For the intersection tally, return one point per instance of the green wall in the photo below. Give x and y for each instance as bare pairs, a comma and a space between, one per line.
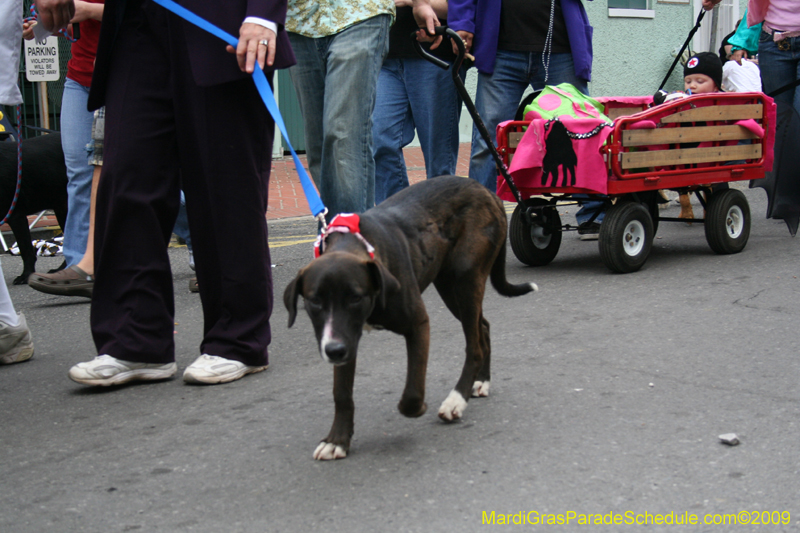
631, 55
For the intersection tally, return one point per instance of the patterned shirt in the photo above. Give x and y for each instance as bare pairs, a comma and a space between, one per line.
322, 18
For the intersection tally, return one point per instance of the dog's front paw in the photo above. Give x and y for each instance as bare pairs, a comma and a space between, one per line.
412, 408
328, 451
21, 280
480, 389
453, 407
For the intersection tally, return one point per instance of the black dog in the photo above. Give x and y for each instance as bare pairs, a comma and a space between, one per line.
44, 186
559, 153
448, 231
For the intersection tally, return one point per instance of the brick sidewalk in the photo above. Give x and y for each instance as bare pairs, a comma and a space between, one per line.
286, 197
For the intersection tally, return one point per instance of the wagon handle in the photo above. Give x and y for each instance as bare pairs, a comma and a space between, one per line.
462, 91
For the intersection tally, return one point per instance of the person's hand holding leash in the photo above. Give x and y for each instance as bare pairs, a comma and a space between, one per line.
256, 43
708, 5
54, 15
427, 20
738, 55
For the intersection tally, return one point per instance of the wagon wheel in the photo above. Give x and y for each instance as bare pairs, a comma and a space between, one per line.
626, 236
728, 222
537, 242
650, 200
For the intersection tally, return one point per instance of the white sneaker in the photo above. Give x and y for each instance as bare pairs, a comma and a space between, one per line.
191, 259
15, 342
105, 370
211, 369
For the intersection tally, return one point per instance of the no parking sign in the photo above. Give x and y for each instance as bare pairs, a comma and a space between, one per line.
41, 59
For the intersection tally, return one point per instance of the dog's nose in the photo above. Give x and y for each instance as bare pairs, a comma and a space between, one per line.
335, 351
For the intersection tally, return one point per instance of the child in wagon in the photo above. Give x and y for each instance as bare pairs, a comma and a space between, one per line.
701, 74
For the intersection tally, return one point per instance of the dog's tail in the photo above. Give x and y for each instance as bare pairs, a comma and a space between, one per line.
499, 281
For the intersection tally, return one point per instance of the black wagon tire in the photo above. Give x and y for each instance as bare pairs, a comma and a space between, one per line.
626, 237
536, 243
727, 221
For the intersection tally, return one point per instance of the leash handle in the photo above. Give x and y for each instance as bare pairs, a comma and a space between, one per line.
262, 85
462, 91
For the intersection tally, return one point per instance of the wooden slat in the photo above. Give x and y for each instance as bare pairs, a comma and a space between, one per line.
689, 156
716, 112
616, 112
514, 137
686, 135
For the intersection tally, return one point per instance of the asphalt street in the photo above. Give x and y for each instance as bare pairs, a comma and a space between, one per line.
609, 393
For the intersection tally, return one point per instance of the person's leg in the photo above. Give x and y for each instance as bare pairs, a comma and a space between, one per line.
181, 228
496, 100
780, 67
436, 108
226, 202
354, 59
392, 129
308, 78
7, 313
15, 337
76, 134
137, 202
78, 278
86, 264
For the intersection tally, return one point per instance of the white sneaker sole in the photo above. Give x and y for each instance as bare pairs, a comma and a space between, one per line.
190, 377
138, 374
17, 355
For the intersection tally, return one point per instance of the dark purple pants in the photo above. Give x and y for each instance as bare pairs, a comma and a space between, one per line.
163, 134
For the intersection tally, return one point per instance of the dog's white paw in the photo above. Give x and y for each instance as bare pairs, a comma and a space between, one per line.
535, 287
452, 407
327, 451
480, 389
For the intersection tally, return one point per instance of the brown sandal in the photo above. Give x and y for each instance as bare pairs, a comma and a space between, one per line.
71, 281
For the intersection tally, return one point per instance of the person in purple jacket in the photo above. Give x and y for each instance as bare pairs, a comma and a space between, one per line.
516, 44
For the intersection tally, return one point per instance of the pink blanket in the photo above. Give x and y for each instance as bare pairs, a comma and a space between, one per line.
559, 153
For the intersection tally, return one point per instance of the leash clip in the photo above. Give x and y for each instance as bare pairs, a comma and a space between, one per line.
321, 219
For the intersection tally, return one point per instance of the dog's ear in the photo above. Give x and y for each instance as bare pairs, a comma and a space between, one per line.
290, 295
384, 280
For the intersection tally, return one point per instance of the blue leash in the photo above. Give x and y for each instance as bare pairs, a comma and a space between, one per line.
314, 202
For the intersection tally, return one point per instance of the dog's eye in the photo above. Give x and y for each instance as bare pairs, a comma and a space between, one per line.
355, 299
315, 302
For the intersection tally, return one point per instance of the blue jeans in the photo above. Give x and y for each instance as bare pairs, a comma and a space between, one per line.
76, 141
414, 94
498, 96
181, 228
336, 79
780, 67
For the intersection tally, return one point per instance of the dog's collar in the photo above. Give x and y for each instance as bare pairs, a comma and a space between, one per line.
343, 223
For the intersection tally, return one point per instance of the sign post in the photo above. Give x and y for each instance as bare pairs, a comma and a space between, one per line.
41, 65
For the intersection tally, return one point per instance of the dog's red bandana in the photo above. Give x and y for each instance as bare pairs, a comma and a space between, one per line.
343, 223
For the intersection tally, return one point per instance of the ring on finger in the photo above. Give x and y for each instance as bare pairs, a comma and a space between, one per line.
264, 42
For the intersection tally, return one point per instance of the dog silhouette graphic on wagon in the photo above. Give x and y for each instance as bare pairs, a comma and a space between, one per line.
559, 154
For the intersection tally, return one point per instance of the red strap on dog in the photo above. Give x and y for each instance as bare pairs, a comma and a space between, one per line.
343, 223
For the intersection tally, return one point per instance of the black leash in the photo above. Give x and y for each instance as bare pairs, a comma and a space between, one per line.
683, 48
785, 88
462, 91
